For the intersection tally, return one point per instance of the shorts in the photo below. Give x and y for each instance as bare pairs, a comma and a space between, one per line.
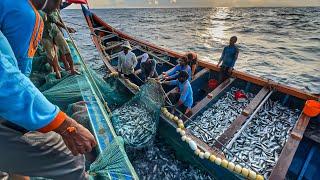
58, 41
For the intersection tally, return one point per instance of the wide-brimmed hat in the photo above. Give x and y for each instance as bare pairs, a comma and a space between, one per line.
144, 57
126, 44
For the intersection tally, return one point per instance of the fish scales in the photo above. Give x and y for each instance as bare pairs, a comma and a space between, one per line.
217, 118
134, 123
261, 142
159, 162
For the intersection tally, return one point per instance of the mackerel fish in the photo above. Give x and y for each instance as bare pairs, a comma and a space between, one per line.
209, 125
159, 162
135, 123
259, 146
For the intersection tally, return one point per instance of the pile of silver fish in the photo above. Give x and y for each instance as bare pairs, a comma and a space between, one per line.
261, 142
135, 123
159, 162
216, 119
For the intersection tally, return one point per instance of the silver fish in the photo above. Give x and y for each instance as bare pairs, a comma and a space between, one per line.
260, 144
210, 124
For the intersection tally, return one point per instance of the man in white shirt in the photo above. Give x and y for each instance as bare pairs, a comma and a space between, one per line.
127, 61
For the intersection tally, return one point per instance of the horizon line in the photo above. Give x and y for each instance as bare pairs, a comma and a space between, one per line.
187, 7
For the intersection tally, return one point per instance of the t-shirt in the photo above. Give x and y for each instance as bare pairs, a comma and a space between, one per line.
228, 56
148, 67
186, 93
173, 73
127, 62
21, 102
21, 24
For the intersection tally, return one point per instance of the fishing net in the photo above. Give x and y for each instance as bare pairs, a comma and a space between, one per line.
67, 90
79, 112
111, 163
137, 120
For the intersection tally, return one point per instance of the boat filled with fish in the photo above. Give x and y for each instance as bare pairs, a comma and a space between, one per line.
256, 137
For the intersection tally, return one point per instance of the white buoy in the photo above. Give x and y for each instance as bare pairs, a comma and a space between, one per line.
178, 130
193, 145
184, 138
182, 132
207, 155
201, 155
188, 139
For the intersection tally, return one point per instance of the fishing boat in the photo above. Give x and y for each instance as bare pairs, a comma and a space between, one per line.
190, 139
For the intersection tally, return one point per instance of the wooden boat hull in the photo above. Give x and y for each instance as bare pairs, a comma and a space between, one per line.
262, 88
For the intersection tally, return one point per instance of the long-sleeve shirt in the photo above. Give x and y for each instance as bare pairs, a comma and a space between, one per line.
21, 102
127, 62
186, 93
229, 56
22, 25
173, 73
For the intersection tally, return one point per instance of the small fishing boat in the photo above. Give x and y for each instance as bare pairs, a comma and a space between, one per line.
253, 139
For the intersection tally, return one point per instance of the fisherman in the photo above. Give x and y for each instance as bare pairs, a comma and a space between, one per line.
127, 61
52, 38
36, 138
183, 98
192, 62
228, 58
174, 73
148, 67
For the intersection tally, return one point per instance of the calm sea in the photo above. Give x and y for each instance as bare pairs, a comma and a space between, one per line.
282, 44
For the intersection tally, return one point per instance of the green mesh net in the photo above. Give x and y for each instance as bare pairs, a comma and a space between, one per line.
137, 120
111, 163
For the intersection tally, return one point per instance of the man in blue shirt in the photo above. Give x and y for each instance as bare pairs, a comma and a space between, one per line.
228, 58
183, 98
22, 25
174, 73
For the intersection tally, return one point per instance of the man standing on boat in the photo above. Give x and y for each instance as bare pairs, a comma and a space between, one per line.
183, 98
228, 58
182, 66
36, 138
127, 61
53, 41
148, 67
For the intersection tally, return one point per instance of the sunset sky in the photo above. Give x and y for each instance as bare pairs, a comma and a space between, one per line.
200, 3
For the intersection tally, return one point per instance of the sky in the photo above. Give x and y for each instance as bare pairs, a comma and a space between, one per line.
200, 3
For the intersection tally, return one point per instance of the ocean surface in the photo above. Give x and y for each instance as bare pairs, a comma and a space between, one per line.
282, 44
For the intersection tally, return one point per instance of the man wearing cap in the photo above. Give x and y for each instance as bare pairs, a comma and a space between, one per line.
36, 137
127, 61
148, 67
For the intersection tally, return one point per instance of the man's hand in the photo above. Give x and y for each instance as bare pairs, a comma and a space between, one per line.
77, 138
71, 30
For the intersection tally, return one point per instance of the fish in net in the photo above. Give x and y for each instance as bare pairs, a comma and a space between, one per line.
111, 162
137, 120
